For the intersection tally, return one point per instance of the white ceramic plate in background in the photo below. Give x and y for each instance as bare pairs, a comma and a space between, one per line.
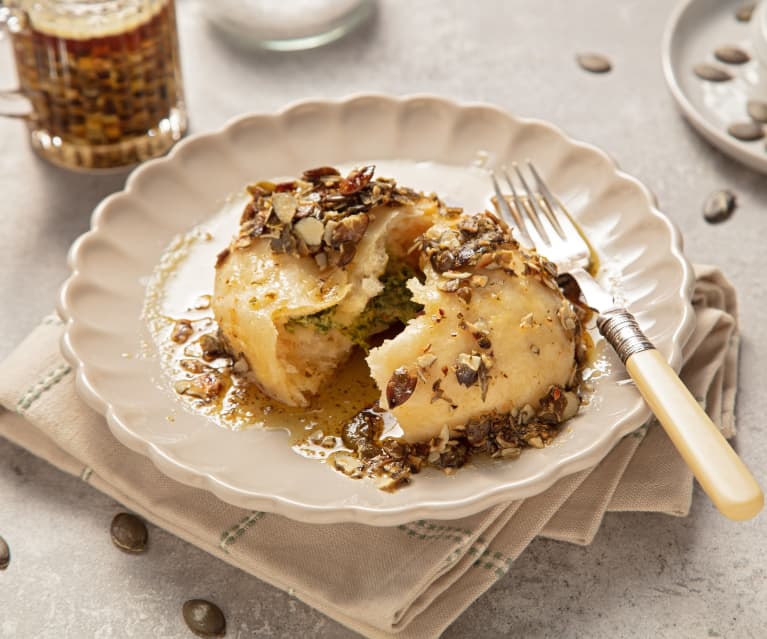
102, 300
696, 28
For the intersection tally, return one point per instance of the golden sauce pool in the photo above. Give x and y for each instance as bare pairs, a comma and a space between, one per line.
314, 431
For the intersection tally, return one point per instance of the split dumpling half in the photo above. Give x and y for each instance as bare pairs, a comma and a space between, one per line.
292, 291
495, 335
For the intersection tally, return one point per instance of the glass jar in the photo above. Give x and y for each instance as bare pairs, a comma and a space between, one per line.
102, 78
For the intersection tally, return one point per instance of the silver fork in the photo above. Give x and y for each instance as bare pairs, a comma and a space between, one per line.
544, 224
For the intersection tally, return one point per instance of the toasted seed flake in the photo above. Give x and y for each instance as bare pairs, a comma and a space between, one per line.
350, 229
212, 347
284, 187
221, 257
182, 330
242, 242
264, 186
425, 361
206, 386
449, 286
456, 275
241, 365
467, 369
487, 360
348, 465
567, 317
328, 441
527, 321
526, 414
320, 172
386, 482
464, 294
356, 180
181, 386
193, 366
202, 302
572, 403
310, 230
285, 206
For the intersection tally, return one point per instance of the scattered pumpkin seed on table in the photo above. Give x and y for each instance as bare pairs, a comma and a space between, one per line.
594, 62
129, 533
745, 11
711, 72
5, 554
731, 55
719, 206
204, 618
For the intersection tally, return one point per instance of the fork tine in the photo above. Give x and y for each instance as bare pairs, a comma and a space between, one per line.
549, 201
530, 206
558, 239
511, 213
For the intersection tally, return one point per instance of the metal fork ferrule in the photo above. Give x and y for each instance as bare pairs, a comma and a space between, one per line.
622, 331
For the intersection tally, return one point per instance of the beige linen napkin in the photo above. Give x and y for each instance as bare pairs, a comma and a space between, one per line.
409, 581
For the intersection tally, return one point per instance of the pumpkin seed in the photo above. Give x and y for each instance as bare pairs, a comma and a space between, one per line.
204, 618
711, 73
400, 387
757, 110
719, 206
594, 62
467, 369
746, 131
129, 533
5, 554
731, 55
745, 11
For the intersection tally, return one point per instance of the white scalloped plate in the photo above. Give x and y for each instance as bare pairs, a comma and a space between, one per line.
102, 300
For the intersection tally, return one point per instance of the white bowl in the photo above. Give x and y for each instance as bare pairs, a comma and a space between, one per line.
694, 30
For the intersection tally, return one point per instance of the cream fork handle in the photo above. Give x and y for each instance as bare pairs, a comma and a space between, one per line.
721, 473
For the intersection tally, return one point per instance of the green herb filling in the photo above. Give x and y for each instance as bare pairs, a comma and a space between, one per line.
394, 304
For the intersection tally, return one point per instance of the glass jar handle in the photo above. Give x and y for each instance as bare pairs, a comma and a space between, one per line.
13, 102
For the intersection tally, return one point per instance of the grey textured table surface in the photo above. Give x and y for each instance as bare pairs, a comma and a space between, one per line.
645, 575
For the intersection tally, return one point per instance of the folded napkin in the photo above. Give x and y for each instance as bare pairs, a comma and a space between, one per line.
409, 581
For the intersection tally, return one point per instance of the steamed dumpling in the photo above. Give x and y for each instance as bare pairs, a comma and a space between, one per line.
308, 259
495, 333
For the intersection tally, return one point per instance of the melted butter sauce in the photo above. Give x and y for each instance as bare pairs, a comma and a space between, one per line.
243, 405
182, 283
